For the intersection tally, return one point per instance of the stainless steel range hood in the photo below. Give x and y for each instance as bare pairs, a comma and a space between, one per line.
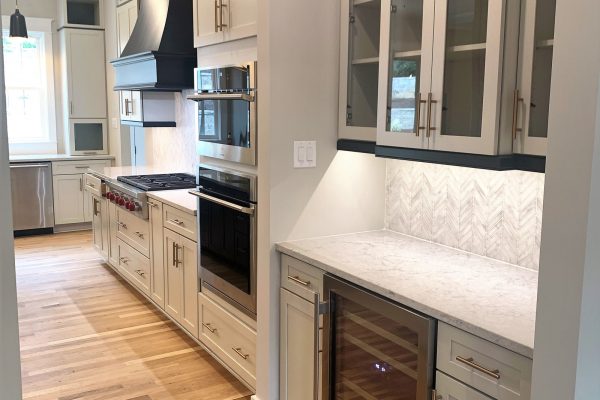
160, 54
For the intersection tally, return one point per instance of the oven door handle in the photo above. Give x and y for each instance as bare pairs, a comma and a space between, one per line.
224, 203
221, 96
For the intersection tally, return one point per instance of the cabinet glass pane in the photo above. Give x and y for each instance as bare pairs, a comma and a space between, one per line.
375, 356
542, 68
363, 63
88, 136
464, 67
405, 64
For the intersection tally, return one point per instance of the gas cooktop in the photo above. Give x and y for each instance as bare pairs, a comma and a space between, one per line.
155, 182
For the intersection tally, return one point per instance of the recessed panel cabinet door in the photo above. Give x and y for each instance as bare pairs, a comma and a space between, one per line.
466, 76
68, 199
407, 35
188, 263
86, 71
448, 388
207, 16
240, 17
157, 259
173, 276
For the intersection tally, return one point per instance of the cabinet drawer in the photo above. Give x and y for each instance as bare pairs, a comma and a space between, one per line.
180, 222
487, 367
78, 167
230, 339
301, 278
93, 185
134, 231
451, 389
135, 266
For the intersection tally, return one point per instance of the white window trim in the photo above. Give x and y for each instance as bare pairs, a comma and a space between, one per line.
50, 147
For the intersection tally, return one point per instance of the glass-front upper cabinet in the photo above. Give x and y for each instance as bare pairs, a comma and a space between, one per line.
407, 37
359, 69
532, 98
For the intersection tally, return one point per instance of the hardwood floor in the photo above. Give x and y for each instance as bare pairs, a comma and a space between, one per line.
86, 334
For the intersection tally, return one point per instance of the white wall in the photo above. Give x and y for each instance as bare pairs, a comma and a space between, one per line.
10, 365
298, 50
567, 352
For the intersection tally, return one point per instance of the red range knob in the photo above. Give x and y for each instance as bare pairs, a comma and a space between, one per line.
110, 196
127, 205
121, 201
131, 206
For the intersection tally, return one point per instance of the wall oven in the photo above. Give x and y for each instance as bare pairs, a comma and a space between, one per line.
227, 235
226, 112
374, 348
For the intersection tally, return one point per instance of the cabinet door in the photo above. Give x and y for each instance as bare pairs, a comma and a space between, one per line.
359, 69
96, 223
188, 263
87, 206
448, 388
466, 76
532, 101
173, 276
126, 18
113, 251
68, 199
240, 17
298, 323
103, 209
85, 59
206, 23
157, 259
405, 72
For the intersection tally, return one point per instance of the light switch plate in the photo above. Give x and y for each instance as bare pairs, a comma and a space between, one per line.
305, 154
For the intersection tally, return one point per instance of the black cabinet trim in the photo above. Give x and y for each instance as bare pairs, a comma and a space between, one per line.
506, 162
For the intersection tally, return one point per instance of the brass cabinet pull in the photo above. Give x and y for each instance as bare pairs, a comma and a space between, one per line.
430, 101
238, 350
126, 106
418, 102
517, 100
298, 280
81, 184
140, 272
209, 327
124, 260
122, 225
216, 17
471, 363
221, 24
152, 204
174, 254
176, 222
96, 211
139, 234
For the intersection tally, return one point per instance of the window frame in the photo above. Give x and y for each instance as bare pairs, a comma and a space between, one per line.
43, 25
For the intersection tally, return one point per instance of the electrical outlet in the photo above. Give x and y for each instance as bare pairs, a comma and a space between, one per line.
305, 154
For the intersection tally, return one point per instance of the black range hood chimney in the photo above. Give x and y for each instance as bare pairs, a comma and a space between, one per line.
160, 54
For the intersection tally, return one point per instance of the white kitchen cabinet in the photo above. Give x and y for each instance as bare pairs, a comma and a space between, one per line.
181, 296
127, 14
81, 14
359, 69
532, 97
83, 73
157, 259
147, 109
86, 137
69, 198
447, 388
441, 71
113, 253
100, 225
299, 369
223, 21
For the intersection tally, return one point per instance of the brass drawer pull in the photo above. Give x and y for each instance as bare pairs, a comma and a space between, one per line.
152, 204
517, 101
298, 280
124, 260
471, 363
176, 222
140, 235
238, 350
430, 101
122, 225
140, 272
209, 327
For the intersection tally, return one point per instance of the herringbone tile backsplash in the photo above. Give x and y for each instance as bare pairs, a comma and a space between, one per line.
494, 214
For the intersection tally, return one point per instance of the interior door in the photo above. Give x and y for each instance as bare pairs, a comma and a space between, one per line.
466, 76
173, 276
405, 71
188, 259
86, 59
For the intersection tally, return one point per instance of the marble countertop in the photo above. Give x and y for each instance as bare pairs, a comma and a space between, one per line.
56, 157
180, 199
490, 299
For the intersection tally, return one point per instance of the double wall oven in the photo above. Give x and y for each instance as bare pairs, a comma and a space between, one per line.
226, 112
227, 210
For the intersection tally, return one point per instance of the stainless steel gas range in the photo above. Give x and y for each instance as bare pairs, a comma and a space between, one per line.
129, 192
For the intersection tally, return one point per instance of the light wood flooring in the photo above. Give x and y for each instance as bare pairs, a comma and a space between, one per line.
87, 335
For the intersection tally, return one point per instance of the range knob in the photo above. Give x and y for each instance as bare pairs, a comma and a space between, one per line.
121, 201
132, 206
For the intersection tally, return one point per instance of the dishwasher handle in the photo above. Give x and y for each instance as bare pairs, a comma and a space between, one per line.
14, 166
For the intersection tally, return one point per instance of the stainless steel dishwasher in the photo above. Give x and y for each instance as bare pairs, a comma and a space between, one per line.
32, 197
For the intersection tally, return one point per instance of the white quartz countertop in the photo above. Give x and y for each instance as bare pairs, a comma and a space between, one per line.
56, 157
180, 199
490, 299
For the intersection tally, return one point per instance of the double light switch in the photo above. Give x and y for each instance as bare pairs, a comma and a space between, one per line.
305, 154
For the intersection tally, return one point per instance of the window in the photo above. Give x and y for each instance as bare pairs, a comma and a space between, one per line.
29, 77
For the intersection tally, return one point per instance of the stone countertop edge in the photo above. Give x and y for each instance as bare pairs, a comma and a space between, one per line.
180, 199
324, 262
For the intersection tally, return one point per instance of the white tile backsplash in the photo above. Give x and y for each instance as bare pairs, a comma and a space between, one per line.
175, 148
494, 214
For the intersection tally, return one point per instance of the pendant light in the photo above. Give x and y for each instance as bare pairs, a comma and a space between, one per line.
17, 24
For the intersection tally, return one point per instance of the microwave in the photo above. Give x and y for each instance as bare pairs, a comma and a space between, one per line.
226, 120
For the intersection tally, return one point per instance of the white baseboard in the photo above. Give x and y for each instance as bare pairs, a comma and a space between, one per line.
86, 226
